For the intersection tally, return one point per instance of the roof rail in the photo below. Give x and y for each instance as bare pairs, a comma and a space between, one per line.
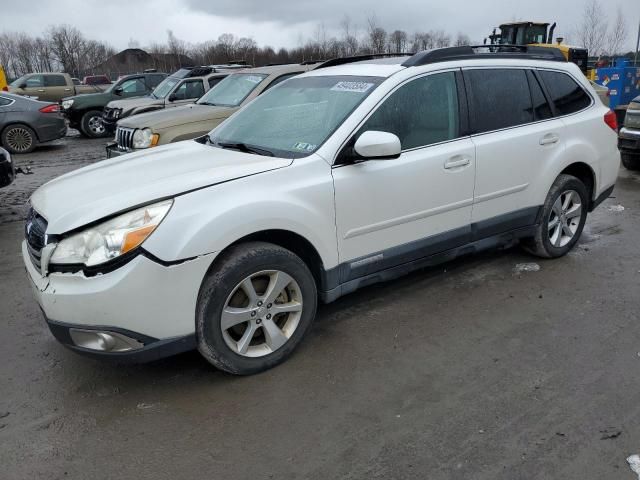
359, 58
478, 52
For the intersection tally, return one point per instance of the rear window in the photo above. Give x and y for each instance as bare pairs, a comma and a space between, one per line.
567, 96
499, 98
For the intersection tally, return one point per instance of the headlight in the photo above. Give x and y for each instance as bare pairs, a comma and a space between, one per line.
144, 138
66, 104
112, 238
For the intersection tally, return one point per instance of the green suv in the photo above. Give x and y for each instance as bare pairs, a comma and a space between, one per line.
84, 112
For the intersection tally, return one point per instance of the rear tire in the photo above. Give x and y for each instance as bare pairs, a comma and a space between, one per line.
91, 125
254, 308
18, 138
564, 214
630, 162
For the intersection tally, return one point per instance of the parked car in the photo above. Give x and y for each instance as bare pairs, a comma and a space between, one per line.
183, 87
96, 80
25, 123
194, 120
50, 87
351, 174
3, 81
84, 112
7, 169
629, 136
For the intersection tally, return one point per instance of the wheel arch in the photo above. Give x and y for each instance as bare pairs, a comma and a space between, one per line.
292, 241
585, 173
14, 123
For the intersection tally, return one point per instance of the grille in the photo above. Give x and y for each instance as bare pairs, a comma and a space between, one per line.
112, 113
124, 138
627, 143
34, 232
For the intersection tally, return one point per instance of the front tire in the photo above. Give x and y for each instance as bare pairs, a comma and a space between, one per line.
630, 162
564, 214
91, 125
254, 307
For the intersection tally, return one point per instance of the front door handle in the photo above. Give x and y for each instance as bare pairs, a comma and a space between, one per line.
41, 90
549, 139
67, 89
457, 161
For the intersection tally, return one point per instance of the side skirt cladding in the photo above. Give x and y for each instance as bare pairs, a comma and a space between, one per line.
396, 262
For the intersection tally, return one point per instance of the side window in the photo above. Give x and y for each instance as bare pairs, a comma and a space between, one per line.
189, 89
499, 98
566, 95
421, 112
213, 81
541, 108
281, 79
35, 81
55, 81
133, 85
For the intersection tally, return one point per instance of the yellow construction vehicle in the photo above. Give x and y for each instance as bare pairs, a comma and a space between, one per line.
541, 35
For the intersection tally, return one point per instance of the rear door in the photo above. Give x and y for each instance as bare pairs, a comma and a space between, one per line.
517, 140
55, 88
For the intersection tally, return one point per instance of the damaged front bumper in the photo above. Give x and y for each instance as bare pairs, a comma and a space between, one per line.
142, 311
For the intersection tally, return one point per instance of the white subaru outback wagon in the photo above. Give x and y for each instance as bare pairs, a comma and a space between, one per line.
354, 173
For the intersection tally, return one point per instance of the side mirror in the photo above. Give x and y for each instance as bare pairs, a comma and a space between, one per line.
118, 91
375, 144
23, 85
173, 97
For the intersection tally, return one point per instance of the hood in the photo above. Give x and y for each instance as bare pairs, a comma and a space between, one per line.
129, 103
88, 97
171, 117
120, 184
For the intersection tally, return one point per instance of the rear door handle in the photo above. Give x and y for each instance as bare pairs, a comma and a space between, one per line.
41, 90
457, 161
549, 139
67, 89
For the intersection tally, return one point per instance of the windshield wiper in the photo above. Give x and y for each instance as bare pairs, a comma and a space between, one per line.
209, 103
243, 147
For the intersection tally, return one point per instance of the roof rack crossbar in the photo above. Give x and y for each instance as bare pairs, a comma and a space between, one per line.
359, 58
471, 52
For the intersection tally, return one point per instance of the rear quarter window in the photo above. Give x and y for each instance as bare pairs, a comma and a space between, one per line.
566, 94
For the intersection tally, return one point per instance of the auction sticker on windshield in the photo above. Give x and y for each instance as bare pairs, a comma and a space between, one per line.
305, 147
356, 87
254, 79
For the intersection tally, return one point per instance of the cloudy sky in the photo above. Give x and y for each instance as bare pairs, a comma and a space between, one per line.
290, 22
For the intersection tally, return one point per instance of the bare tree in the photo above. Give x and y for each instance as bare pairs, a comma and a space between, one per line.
617, 34
349, 39
398, 41
377, 35
592, 31
462, 39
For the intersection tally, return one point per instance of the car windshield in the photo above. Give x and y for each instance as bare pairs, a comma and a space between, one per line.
19, 81
232, 91
293, 119
165, 87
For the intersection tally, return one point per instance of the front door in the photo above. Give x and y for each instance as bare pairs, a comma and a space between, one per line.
390, 212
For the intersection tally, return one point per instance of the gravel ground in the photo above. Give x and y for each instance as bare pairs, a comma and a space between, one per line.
497, 366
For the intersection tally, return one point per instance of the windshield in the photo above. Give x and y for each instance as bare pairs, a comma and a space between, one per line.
163, 89
232, 91
19, 81
293, 119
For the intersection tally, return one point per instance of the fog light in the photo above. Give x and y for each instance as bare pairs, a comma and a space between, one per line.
103, 341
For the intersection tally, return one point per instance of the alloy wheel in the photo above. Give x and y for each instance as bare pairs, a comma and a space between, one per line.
261, 313
564, 218
95, 125
19, 139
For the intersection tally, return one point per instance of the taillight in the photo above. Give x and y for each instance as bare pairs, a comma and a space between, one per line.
53, 108
611, 120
